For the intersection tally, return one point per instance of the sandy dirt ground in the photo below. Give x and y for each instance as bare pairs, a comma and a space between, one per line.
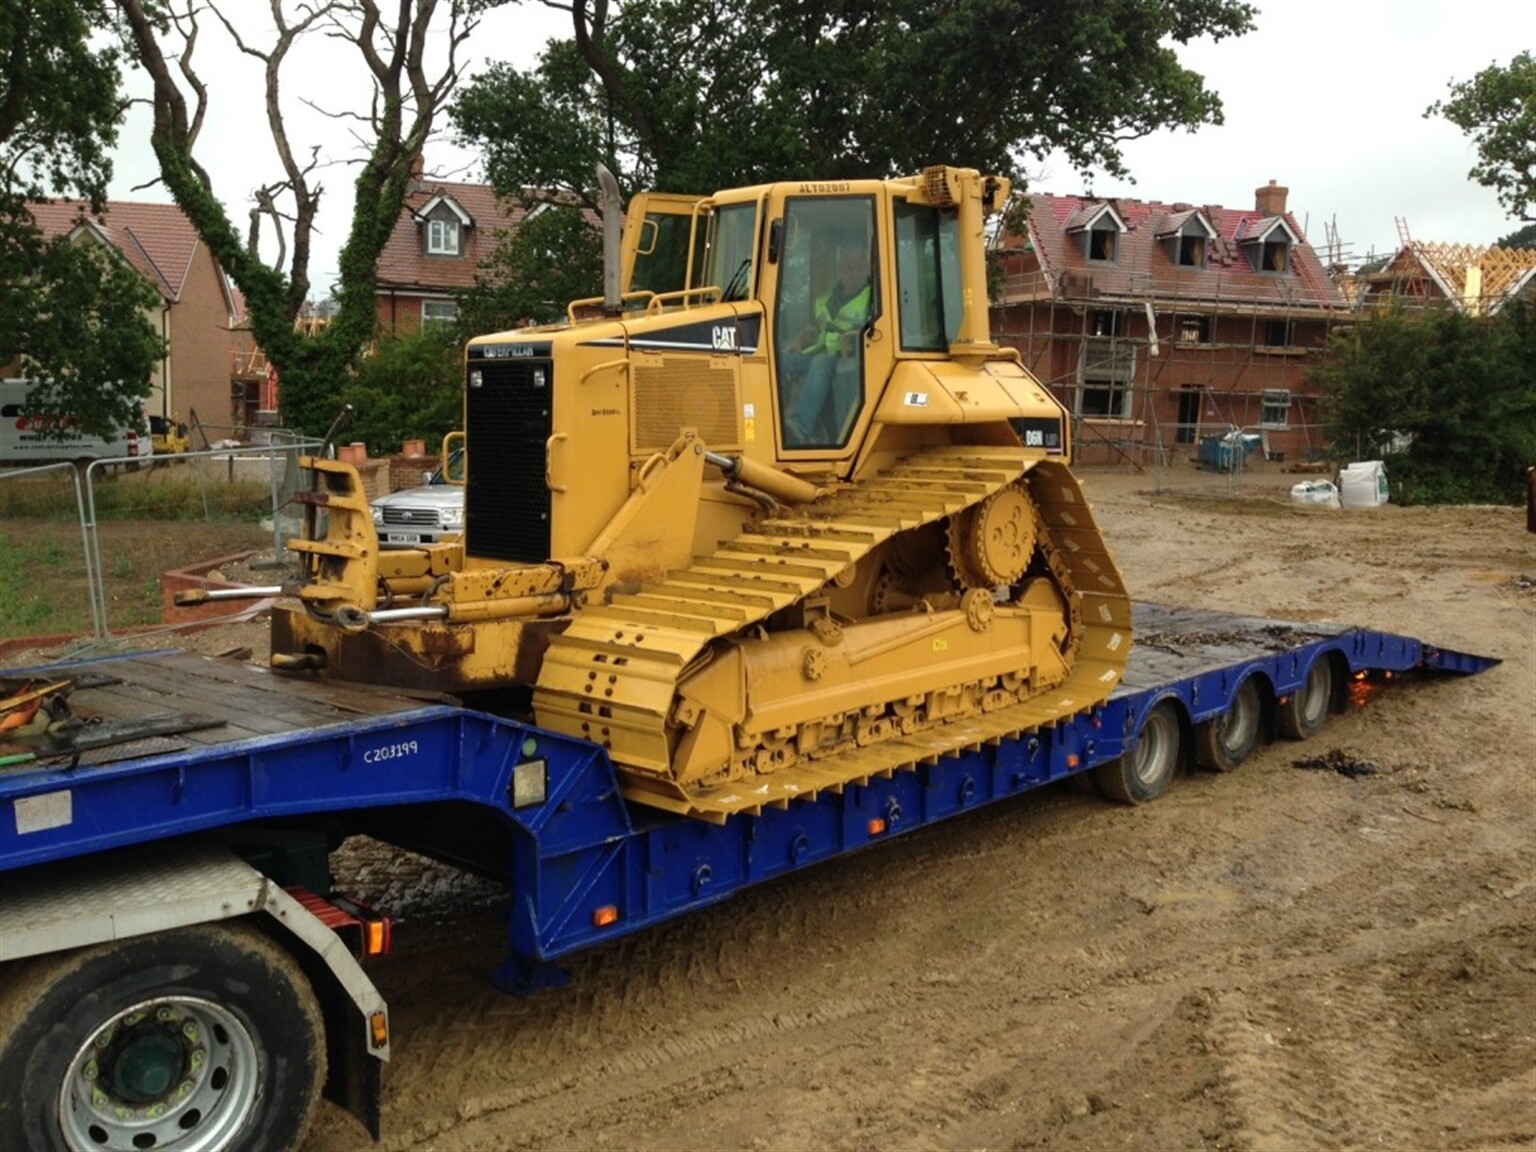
1269, 959
1274, 958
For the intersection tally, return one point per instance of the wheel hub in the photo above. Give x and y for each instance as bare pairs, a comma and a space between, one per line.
175, 1073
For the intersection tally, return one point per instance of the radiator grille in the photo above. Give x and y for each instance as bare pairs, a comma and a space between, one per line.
680, 392
415, 517
506, 501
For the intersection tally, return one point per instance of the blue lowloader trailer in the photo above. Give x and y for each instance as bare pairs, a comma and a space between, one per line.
175, 971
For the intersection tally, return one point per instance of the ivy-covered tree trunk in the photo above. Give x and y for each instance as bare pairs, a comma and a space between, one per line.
313, 368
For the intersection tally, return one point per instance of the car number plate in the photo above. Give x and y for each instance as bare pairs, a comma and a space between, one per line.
402, 538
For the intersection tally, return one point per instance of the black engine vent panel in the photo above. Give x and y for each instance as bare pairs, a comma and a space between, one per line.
506, 501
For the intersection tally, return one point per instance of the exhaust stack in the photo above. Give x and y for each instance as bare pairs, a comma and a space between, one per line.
608, 198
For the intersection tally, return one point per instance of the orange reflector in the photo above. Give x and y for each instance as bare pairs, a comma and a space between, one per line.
877, 826
1073, 760
378, 1029
376, 937
604, 916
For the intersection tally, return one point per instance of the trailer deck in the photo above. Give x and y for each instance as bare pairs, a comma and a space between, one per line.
586, 864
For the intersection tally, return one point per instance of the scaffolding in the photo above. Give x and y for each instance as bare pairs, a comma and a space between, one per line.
1204, 362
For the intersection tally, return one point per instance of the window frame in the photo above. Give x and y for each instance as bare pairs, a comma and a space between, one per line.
439, 231
1286, 331
1122, 390
1267, 400
1101, 238
1202, 324
427, 303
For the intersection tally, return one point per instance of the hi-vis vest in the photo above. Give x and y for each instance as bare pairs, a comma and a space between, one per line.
850, 318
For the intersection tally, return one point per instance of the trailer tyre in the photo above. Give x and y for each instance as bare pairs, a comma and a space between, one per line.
1304, 712
1145, 772
1225, 742
206, 1037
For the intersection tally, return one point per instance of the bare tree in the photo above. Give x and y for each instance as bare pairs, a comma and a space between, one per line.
412, 79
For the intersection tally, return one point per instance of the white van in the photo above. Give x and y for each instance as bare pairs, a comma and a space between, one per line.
22, 438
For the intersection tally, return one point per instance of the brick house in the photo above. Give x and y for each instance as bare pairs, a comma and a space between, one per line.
199, 312
436, 246
1157, 324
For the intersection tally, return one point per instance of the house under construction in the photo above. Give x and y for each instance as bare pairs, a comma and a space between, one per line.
1478, 280
1162, 324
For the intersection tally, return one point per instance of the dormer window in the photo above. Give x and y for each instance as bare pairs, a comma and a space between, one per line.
1101, 243
1187, 236
443, 237
1268, 245
443, 224
1099, 227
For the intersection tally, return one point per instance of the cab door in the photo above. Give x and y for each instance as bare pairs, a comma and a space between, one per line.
829, 359
660, 244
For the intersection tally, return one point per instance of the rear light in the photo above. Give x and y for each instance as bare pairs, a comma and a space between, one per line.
365, 931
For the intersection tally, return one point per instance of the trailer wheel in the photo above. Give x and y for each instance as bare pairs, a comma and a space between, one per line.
206, 1037
1225, 742
1304, 712
1145, 772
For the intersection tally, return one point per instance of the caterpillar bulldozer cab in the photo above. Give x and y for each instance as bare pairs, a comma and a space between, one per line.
771, 515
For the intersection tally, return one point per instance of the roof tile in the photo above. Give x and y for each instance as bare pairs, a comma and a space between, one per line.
1143, 266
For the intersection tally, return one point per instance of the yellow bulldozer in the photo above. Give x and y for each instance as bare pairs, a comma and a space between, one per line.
770, 516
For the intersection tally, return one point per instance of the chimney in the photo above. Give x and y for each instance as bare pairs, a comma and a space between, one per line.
1270, 200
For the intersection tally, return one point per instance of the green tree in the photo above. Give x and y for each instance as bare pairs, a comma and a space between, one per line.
410, 386
553, 257
1524, 237
695, 95
72, 316
1497, 108
408, 52
1463, 387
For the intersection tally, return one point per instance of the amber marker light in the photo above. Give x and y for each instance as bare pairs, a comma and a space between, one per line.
378, 1029
877, 826
376, 937
1073, 760
604, 916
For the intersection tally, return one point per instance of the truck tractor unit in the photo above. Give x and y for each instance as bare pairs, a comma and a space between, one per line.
750, 547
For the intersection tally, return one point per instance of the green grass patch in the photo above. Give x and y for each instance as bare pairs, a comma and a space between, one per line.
171, 494
31, 608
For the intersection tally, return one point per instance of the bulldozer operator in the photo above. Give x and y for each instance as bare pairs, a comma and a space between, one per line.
823, 360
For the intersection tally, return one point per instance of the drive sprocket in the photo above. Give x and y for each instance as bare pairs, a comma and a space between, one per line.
991, 543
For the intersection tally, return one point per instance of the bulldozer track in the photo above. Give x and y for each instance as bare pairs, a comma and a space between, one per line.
612, 676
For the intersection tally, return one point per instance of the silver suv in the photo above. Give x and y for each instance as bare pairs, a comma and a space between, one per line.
431, 514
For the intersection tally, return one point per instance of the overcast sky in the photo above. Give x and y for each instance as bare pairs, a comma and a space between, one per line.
1325, 96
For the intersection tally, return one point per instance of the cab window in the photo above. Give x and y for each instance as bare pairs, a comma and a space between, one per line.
661, 263
730, 264
927, 276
